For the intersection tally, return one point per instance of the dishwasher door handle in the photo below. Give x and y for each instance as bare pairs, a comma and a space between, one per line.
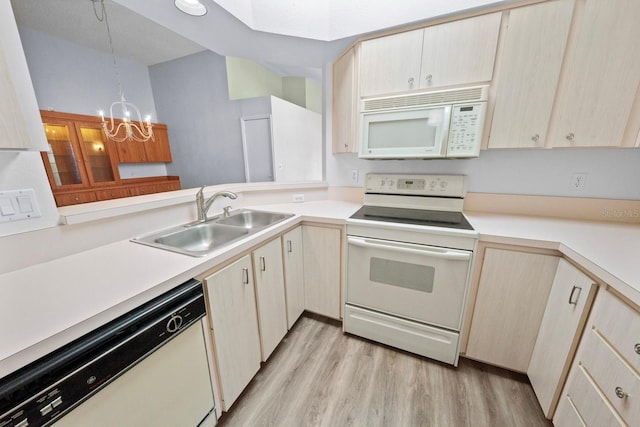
410, 249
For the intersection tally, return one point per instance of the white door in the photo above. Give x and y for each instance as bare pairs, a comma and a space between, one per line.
258, 148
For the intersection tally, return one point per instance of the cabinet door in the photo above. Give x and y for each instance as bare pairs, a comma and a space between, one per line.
99, 154
293, 274
528, 73
272, 311
602, 75
511, 300
322, 274
158, 150
63, 161
460, 52
232, 310
569, 301
130, 151
390, 64
13, 133
344, 104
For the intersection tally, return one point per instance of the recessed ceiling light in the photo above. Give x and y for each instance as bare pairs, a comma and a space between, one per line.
191, 7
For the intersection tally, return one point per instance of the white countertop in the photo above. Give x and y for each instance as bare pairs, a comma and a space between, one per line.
50, 304
55, 302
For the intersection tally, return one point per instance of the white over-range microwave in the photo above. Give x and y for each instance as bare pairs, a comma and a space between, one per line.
440, 124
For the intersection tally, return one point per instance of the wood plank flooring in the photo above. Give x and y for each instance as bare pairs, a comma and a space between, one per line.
319, 376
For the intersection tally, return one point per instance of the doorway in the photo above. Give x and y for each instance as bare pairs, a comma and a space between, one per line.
257, 145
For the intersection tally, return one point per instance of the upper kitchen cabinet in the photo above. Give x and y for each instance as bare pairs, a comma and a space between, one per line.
156, 150
453, 53
527, 73
598, 89
19, 118
390, 64
345, 103
79, 156
460, 52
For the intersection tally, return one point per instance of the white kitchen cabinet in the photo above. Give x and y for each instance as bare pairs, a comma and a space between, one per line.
232, 310
270, 295
390, 64
571, 296
527, 73
345, 103
458, 52
322, 269
293, 274
511, 298
604, 382
599, 85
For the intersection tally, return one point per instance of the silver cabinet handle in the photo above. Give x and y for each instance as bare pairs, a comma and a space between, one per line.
573, 293
289, 246
637, 348
429, 78
621, 393
245, 276
570, 136
410, 81
263, 264
535, 138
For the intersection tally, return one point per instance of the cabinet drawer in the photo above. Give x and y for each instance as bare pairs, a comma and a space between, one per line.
619, 324
584, 399
75, 198
113, 193
619, 384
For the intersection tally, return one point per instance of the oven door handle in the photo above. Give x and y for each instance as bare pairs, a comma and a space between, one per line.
399, 247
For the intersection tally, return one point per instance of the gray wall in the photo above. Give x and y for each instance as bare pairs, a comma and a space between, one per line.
71, 78
191, 96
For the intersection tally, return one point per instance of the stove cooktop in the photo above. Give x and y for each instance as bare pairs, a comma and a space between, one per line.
424, 217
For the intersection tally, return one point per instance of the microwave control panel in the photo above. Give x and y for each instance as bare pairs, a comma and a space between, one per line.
465, 130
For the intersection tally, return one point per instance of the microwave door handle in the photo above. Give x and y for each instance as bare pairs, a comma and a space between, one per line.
448, 255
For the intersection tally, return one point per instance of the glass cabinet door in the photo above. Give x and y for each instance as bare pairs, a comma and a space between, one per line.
100, 156
64, 159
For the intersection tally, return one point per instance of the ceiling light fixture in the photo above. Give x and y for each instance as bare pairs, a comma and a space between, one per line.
191, 7
136, 131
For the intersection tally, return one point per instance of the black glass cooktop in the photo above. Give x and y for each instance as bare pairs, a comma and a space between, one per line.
414, 216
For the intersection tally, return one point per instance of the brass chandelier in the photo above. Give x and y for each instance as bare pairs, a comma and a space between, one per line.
131, 126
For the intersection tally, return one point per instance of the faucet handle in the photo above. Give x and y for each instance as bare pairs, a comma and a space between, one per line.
226, 210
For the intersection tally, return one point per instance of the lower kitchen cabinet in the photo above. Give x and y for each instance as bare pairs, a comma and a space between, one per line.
269, 283
322, 269
511, 299
604, 381
293, 274
571, 296
232, 310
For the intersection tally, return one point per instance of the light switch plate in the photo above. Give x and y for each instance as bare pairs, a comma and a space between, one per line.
16, 205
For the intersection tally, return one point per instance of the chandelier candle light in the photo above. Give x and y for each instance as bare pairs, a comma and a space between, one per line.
137, 131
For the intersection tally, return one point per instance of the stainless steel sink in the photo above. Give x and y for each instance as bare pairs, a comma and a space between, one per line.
195, 240
252, 220
199, 239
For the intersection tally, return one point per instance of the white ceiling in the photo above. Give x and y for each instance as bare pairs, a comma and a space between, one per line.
336, 19
291, 37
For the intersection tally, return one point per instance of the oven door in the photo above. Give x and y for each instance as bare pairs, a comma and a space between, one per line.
417, 282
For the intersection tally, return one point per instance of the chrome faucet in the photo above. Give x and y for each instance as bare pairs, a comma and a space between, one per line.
203, 206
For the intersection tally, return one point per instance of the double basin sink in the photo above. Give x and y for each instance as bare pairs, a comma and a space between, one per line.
199, 239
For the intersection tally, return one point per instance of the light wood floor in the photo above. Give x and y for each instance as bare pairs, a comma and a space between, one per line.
319, 376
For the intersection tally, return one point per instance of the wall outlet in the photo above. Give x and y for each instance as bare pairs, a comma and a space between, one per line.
298, 198
355, 176
578, 181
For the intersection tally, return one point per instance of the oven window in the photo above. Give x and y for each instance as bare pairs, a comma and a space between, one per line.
403, 274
